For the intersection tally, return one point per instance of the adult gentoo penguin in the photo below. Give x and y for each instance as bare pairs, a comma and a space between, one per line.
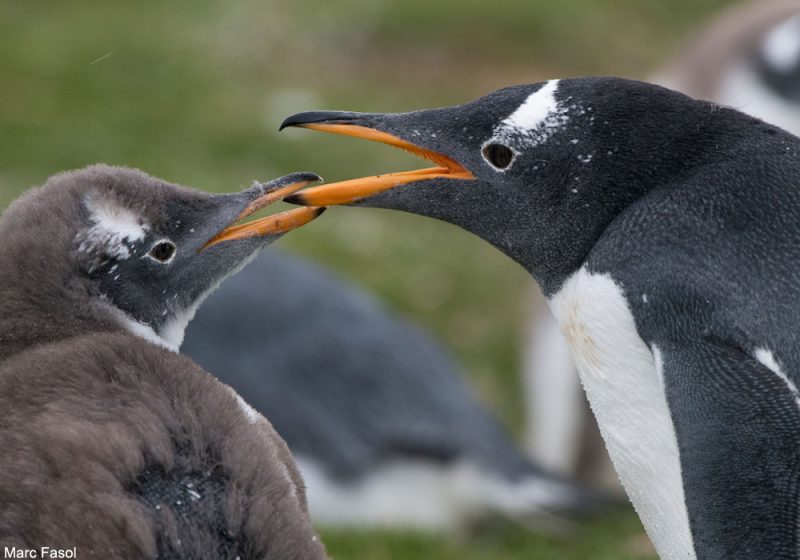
378, 416
663, 231
748, 57
112, 442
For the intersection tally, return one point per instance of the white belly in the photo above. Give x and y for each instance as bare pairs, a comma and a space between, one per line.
622, 379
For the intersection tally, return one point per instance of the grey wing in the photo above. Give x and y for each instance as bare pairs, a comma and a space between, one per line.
738, 428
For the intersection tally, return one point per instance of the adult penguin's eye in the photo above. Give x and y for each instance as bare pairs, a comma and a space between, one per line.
499, 155
163, 251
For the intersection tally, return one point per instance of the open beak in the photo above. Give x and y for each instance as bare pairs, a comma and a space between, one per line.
275, 224
346, 192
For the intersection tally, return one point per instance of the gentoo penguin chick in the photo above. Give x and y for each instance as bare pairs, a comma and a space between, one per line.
664, 233
377, 414
112, 442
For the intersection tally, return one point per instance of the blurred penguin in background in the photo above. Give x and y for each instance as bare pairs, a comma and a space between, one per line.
378, 415
748, 58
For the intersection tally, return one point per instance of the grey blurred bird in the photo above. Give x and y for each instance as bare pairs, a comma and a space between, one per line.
376, 413
111, 441
749, 58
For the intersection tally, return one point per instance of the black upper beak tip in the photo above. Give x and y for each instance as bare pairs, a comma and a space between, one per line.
292, 178
308, 176
294, 120
319, 117
300, 177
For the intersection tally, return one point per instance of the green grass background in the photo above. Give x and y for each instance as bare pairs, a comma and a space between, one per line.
193, 91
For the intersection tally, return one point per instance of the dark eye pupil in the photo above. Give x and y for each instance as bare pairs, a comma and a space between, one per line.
498, 155
162, 251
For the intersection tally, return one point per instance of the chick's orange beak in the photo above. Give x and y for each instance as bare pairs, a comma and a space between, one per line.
275, 224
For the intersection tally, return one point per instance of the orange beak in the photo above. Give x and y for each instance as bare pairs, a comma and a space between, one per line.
345, 192
270, 225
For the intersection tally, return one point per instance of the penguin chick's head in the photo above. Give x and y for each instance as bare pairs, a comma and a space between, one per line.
118, 245
537, 170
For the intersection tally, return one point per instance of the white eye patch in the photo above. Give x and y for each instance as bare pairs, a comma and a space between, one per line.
112, 225
533, 122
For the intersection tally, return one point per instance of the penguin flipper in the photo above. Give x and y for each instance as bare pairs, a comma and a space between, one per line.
737, 421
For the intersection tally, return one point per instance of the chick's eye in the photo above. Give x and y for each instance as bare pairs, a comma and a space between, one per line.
499, 155
163, 251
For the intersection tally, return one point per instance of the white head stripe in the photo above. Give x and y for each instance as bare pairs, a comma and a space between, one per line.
116, 220
535, 110
535, 121
112, 226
